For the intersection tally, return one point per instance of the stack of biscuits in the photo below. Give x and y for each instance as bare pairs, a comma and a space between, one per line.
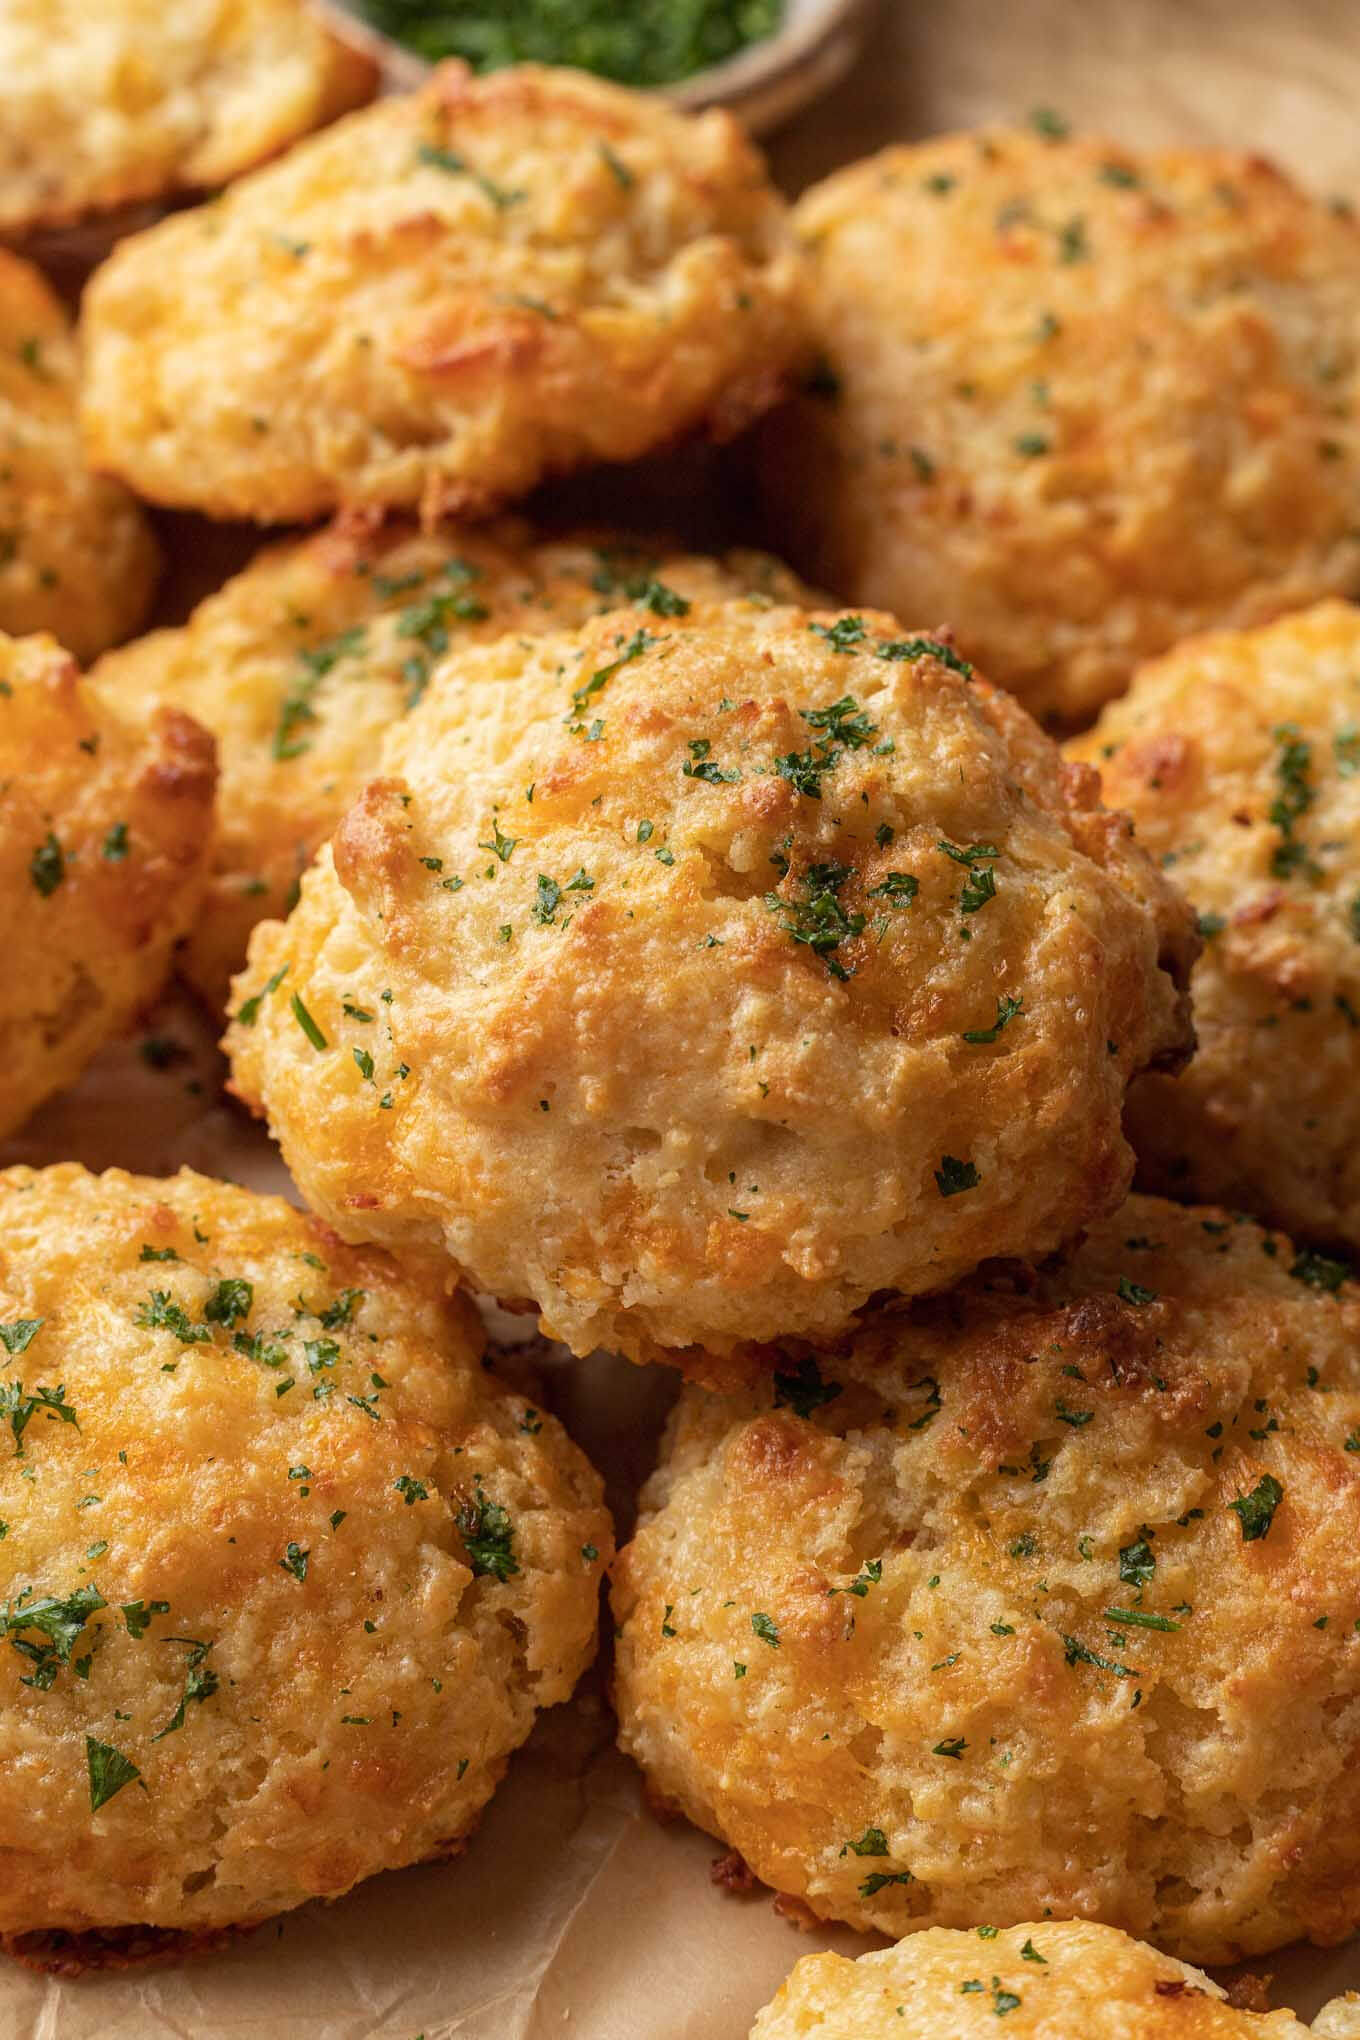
906, 982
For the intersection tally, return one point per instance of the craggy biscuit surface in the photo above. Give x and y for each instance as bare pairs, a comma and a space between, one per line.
106, 101
1048, 1979
300, 664
1078, 401
442, 299
286, 1574
76, 555
698, 976
1239, 757
1028, 1599
105, 833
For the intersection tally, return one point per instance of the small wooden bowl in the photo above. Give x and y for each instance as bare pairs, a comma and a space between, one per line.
763, 85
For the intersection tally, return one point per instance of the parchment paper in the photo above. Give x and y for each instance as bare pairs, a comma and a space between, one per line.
574, 1914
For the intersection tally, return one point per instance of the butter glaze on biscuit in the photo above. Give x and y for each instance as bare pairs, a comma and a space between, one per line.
1078, 401
443, 299
287, 1573
697, 976
1037, 1597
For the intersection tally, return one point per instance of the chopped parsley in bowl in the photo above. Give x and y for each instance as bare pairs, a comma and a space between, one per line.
649, 42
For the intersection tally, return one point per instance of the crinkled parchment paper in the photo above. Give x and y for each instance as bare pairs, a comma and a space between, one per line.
574, 1913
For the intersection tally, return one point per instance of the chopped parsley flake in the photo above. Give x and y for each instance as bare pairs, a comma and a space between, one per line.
843, 635
1051, 126
431, 156
899, 889
1256, 1511
1136, 1563
249, 1010
488, 1538
200, 1682
818, 920
1076, 1652
700, 766
58, 1620
501, 846
878, 1880
1295, 797
1140, 1618
980, 884
641, 641
296, 708
109, 1771
1007, 1010
47, 866
954, 1176
341, 1311
1319, 1272
229, 1302
803, 1390
161, 1313
873, 1842
294, 1561
306, 1022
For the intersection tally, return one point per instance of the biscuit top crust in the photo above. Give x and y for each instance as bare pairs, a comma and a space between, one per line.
105, 834
1049, 1979
303, 660
728, 967
1080, 400
1238, 755
285, 1570
103, 102
443, 298
76, 555
1076, 1550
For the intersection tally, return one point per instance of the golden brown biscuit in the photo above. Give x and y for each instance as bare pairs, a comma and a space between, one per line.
105, 834
1040, 1596
300, 664
285, 1573
107, 101
76, 555
714, 972
443, 299
1238, 756
1077, 400
1049, 1980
